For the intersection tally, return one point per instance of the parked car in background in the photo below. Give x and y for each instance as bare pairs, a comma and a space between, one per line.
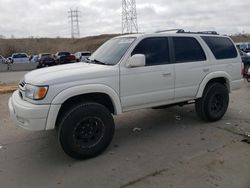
8, 60
46, 60
34, 59
19, 58
244, 46
246, 61
81, 56
2, 59
64, 58
247, 75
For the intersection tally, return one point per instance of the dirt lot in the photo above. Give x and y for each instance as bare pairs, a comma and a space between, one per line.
171, 148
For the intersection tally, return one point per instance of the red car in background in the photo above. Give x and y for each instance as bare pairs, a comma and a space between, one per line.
64, 58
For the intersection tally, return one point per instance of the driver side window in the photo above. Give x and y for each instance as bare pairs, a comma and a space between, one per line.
156, 50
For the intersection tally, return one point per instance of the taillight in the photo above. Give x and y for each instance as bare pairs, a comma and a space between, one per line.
242, 70
72, 57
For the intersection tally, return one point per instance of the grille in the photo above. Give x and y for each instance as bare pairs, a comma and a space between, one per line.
21, 85
20, 94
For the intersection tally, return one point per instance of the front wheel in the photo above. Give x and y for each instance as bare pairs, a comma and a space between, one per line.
86, 130
214, 102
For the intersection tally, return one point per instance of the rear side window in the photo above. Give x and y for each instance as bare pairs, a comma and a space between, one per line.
156, 50
222, 47
187, 49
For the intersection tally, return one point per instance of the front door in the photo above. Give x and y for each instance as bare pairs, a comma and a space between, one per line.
153, 84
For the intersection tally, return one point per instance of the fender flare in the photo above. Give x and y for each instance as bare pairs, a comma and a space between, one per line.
80, 90
213, 75
86, 89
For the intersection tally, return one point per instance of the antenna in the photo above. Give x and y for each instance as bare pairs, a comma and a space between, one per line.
74, 20
129, 17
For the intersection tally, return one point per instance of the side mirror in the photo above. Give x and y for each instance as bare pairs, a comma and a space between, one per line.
137, 60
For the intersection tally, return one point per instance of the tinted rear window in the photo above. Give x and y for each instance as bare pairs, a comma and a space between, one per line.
188, 49
222, 47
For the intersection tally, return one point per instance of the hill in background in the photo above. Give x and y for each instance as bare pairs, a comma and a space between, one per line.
51, 45
42, 45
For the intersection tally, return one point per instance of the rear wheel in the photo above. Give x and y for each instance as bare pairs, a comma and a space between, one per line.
86, 130
214, 102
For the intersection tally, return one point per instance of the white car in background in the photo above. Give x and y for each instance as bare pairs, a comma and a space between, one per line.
19, 58
81, 56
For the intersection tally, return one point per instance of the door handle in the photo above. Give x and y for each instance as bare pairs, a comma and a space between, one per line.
166, 74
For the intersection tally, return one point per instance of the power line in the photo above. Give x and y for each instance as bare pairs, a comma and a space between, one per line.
74, 20
129, 17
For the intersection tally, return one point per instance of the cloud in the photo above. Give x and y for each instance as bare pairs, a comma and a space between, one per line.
47, 18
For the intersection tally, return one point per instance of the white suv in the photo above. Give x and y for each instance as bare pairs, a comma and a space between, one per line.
127, 73
19, 58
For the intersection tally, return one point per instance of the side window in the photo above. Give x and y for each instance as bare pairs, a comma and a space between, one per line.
222, 47
156, 50
187, 49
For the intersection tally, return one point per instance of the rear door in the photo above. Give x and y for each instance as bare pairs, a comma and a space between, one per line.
190, 64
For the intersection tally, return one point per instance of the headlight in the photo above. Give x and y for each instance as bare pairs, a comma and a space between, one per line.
35, 92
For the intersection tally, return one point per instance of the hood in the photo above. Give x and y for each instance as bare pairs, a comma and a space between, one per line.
67, 73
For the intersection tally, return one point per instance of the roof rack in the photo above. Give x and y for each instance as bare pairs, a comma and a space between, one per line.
199, 32
169, 30
188, 32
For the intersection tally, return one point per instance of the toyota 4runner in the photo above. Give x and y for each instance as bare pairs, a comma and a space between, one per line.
127, 73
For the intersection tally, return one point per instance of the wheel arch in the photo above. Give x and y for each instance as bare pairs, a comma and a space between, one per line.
95, 92
221, 77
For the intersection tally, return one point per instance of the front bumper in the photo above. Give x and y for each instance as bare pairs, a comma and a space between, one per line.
26, 115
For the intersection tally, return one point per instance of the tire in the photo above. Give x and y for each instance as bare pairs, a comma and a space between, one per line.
86, 130
214, 102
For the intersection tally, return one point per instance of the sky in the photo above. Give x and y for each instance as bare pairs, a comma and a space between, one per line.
49, 18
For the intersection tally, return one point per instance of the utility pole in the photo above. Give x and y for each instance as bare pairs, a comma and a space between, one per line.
74, 20
129, 17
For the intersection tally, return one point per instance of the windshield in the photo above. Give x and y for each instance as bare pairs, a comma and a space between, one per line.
20, 56
111, 52
45, 55
63, 53
248, 45
86, 54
